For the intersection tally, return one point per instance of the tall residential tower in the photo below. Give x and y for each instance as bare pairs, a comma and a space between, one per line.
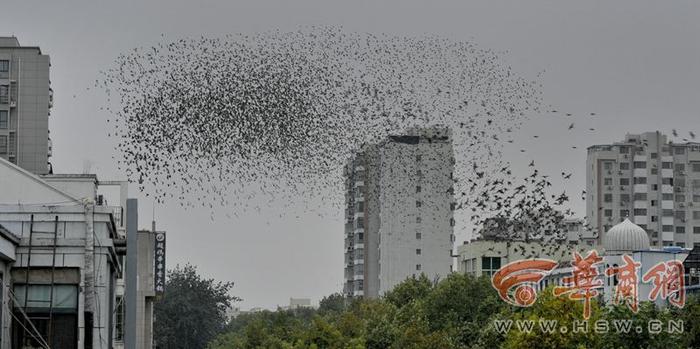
25, 101
399, 219
650, 180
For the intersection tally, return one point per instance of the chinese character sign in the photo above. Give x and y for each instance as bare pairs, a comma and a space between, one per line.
668, 280
584, 281
626, 290
159, 263
517, 278
516, 281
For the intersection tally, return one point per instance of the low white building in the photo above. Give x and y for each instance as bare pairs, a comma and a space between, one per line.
61, 262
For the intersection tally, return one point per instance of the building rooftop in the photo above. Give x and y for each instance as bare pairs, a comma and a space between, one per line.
9, 41
626, 237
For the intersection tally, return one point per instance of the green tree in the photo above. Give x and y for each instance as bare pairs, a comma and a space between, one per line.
334, 303
192, 310
462, 305
409, 290
564, 312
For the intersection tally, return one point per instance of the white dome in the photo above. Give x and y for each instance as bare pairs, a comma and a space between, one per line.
626, 236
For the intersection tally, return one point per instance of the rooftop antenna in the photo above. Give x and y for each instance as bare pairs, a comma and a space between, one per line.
153, 222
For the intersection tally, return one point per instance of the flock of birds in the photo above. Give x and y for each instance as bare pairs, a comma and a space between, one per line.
273, 117
276, 115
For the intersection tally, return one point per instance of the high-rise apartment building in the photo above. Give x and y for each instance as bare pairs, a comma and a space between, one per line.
399, 211
25, 100
649, 180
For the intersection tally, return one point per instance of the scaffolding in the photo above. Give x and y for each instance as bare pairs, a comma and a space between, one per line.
27, 319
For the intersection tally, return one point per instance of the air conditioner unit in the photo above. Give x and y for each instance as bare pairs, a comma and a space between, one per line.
13, 104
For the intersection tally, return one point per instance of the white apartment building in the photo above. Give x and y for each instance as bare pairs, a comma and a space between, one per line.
650, 180
399, 211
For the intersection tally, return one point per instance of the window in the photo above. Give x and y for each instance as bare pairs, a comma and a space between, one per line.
624, 213
653, 203
696, 198
680, 167
360, 206
453, 206
654, 187
680, 244
696, 166
625, 197
418, 236
654, 155
4, 94
624, 181
667, 165
678, 150
624, 166
607, 165
608, 213
680, 215
4, 119
452, 222
607, 181
654, 219
418, 189
654, 171
640, 196
640, 180
667, 197
667, 181
667, 213
419, 173
3, 145
418, 267
696, 230
696, 214
4, 66
419, 220
640, 211
680, 230
119, 319
360, 223
418, 251
490, 265
640, 164
667, 228
419, 204
607, 198
680, 198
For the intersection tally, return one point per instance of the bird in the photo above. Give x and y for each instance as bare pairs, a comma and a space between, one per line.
571, 127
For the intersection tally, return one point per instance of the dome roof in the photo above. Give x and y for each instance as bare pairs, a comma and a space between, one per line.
626, 236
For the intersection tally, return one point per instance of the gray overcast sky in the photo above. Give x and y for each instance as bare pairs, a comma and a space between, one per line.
634, 63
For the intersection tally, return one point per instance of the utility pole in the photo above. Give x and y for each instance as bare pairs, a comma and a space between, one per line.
131, 278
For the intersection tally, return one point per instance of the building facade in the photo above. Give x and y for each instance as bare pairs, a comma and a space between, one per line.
653, 182
62, 265
399, 211
26, 99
